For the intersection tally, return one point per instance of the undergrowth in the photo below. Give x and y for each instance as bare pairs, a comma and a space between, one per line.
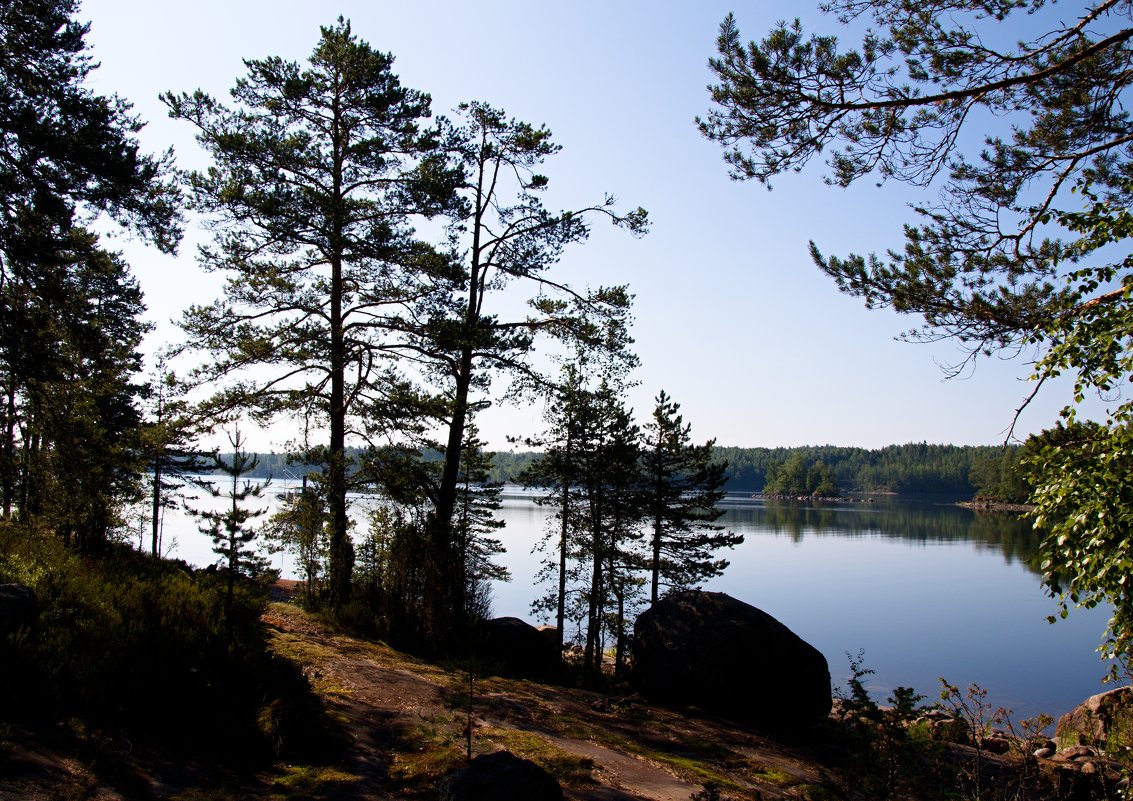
125, 640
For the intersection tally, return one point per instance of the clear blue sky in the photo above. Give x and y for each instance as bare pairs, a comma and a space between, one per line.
732, 319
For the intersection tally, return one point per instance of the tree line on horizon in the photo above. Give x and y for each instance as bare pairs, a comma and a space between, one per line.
960, 472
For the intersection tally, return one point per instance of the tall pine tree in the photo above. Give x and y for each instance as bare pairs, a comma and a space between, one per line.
506, 241
317, 173
682, 486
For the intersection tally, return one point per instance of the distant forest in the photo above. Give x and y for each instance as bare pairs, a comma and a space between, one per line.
915, 469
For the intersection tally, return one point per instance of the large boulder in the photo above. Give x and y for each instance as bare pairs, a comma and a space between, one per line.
518, 648
19, 608
710, 650
1094, 720
502, 775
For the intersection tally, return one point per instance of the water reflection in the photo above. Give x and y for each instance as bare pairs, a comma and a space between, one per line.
919, 523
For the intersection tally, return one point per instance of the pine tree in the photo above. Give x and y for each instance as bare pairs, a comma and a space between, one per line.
299, 526
317, 173
77, 407
474, 523
168, 435
589, 468
506, 241
558, 473
682, 485
69, 311
230, 529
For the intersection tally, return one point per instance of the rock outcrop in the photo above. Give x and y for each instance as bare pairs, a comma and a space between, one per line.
518, 648
501, 775
710, 650
1094, 720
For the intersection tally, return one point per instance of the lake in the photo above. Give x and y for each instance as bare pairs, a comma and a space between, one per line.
924, 590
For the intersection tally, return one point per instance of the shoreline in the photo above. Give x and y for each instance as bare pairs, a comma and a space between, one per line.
996, 506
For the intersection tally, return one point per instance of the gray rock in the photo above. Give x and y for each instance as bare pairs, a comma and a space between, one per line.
502, 775
710, 650
1091, 722
1076, 752
1044, 753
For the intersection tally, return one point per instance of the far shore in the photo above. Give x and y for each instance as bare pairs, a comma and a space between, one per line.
996, 506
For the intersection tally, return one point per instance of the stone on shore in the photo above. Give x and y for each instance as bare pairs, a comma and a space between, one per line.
518, 649
709, 650
502, 775
1095, 719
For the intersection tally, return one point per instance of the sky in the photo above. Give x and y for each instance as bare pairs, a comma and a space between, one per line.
732, 319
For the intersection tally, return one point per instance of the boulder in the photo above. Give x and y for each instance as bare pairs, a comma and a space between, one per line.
550, 634
710, 650
502, 775
518, 648
1092, 721
19, 608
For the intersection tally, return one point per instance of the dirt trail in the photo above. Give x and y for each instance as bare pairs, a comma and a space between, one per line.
625, 776
379, 701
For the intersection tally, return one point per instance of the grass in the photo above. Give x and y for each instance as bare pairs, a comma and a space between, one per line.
297, 782
428, 752
568, 768
298, 649
779, 778
691, 770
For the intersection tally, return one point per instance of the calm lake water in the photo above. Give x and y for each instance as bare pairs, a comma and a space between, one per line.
924, 590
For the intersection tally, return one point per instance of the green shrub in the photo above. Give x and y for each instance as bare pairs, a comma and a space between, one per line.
124, 639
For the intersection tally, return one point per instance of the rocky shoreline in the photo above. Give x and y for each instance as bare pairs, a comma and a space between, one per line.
814, 498
996, 506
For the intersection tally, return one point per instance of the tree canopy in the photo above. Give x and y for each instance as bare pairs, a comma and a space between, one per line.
65, 149
983, 263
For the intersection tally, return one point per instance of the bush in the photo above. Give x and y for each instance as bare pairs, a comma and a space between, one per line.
128, 640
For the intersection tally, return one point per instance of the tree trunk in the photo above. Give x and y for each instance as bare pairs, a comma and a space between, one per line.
445, 590
448, 600
156, 503
9, 478
592, 656
564, 533
341, 549
655, 567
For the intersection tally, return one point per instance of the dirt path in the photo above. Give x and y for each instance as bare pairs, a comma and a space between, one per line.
388, 703
624, 776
